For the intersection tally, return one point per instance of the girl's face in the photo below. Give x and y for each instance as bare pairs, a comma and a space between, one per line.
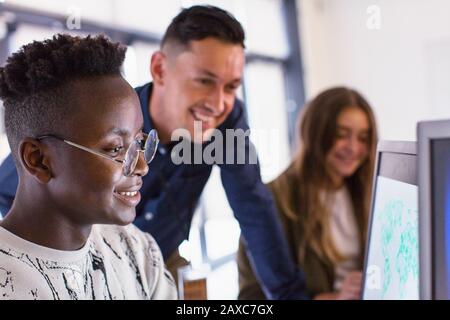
351, 146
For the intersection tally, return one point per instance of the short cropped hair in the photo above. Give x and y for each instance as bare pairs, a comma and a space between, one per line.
200, 22
35, 82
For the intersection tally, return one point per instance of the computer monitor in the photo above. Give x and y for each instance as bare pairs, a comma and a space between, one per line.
391, 268
434, 206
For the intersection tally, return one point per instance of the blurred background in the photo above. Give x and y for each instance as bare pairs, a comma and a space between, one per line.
396, 52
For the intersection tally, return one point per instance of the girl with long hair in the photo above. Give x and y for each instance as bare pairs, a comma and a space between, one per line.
323, 197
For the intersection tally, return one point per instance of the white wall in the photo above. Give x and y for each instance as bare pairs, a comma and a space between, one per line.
403, 68
152, 16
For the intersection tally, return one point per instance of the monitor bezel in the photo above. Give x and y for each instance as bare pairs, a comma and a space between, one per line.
383, 146
427, 131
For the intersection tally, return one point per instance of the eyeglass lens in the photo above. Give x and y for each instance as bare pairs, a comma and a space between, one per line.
132, 155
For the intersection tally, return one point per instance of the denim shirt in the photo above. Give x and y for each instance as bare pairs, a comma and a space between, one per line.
170, 193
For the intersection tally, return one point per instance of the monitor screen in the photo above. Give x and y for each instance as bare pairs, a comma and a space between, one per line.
434, 206
392, 257
440, 197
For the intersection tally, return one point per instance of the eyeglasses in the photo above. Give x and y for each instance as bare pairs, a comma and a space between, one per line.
147, 145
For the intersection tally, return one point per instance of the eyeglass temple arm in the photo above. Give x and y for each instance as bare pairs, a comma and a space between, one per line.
92, 151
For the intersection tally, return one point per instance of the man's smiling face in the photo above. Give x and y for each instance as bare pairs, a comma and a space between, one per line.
200, 84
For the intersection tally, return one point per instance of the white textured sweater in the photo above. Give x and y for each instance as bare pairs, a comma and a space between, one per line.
115, 263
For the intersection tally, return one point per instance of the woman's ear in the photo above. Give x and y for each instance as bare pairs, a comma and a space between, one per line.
157, 67
35, 160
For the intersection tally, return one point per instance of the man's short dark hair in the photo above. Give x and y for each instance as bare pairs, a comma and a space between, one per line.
35, 82
200, 22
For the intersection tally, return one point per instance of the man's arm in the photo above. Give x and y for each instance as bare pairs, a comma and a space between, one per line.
8, 184
249, 287
255, 210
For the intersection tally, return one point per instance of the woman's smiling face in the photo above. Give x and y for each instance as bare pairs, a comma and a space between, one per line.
351, 146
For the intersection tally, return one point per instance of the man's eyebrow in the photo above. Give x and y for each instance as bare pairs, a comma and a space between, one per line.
213, 75
238, 80
208, 73
124, 132
119, 132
